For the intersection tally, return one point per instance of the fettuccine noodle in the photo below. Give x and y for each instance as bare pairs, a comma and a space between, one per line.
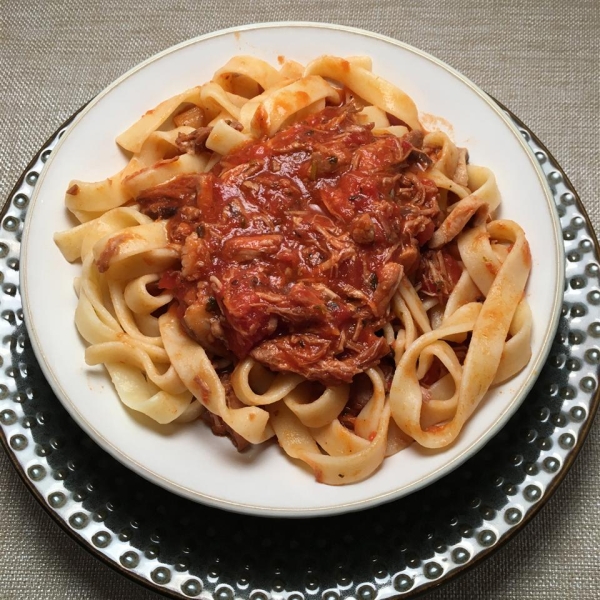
288, 254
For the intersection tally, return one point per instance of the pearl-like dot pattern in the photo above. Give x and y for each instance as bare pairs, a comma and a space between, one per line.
433, 570
130, 560
487, 538
101, 539
79, 520
532, 493
162, 575
36, 472
191, 587
513, 516
185, 548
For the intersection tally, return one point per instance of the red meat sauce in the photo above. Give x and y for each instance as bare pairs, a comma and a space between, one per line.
293, 246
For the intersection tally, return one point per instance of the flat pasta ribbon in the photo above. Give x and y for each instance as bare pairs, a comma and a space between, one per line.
372, 88
489, 324
197, 372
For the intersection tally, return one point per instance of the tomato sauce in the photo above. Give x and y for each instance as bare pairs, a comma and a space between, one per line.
294, 245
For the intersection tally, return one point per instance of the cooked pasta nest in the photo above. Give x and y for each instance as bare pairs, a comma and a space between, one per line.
401, 303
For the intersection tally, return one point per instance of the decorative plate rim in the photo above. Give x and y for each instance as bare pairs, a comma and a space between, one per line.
557, 479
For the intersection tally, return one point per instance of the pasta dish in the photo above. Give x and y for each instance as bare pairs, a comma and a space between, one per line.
289, 254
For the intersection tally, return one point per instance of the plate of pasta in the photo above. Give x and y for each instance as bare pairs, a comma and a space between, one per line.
292, 269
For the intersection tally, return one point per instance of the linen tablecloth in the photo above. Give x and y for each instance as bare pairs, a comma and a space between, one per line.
538, 58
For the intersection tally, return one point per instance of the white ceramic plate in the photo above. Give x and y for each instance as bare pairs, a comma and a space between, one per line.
188, 459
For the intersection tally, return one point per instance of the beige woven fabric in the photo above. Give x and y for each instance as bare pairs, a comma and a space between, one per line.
540, 58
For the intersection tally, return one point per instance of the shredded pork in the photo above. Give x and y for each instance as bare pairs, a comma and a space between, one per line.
293, 247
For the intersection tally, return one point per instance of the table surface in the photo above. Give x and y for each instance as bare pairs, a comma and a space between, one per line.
538, 58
